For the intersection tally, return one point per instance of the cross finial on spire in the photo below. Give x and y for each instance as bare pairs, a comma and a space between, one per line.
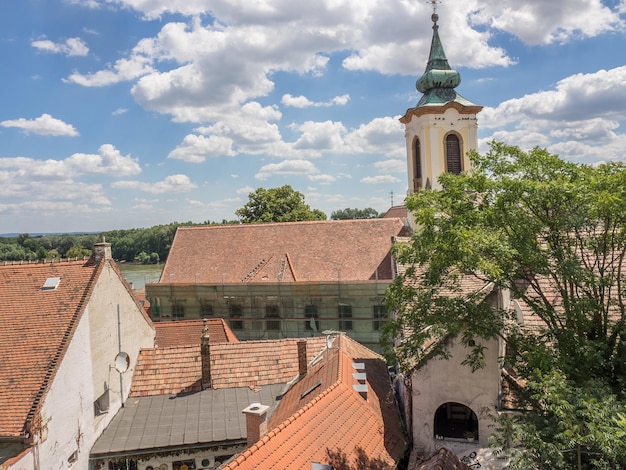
435, 16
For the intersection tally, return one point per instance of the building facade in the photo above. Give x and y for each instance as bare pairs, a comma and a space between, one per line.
282, 280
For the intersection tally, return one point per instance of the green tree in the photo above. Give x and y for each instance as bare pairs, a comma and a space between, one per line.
554, 234
282, 204
78, 252
349, 213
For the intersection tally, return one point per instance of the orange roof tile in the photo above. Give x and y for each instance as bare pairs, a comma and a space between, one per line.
241, 364
349, 250
37, 326
331, 423
187, 332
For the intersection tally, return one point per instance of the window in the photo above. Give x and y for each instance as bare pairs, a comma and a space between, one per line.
272, 318
345, 317
101, 405
206, 309
235, 316
178, 311
310, 313
417, 165
456, 421
380, 315
155, 307
453, 154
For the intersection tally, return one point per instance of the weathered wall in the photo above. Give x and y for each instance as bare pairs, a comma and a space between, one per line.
441, 381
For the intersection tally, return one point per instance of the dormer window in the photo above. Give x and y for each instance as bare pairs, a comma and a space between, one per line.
51, 283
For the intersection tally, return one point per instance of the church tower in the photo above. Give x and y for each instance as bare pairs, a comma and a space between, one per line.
442, 127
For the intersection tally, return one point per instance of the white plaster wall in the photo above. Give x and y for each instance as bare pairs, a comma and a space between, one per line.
109, 334
68, 409
67, 413
440, 381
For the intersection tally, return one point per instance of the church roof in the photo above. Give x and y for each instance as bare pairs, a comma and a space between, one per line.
288, 252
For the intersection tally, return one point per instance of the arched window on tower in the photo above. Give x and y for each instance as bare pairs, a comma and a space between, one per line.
417, 165
453, 154
455, 421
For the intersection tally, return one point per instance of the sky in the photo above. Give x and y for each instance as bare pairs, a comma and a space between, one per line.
120, 114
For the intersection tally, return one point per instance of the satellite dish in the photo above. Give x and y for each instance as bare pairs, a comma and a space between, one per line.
122, 362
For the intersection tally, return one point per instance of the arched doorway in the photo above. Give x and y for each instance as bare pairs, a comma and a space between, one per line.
455, 421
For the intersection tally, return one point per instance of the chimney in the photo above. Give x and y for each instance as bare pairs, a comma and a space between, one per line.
302, 362
102, 251
256, 423
205, 354
361, 379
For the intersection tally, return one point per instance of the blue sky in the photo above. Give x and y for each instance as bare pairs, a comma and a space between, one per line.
132, 113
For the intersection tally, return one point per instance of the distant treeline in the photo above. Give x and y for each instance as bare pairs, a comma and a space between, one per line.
144, 245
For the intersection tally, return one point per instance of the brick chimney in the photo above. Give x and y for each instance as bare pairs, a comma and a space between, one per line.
205, 354
256, 422
302, 362
102, 251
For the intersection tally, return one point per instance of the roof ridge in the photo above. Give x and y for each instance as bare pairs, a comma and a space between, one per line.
300, 222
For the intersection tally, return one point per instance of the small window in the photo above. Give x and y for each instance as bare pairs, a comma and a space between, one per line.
345, 317
73, 458
206, 309
235, 315
380, 316
311, 323
101, 405
51, 283
178, 311
272, 318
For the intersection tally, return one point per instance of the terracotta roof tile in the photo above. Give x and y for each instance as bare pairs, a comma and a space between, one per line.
352, 250
36, 328
443, 460
252, 364
187, 332
332, 423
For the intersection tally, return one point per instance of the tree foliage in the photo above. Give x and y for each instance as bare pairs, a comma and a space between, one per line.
350, 213
553, 233
282, 204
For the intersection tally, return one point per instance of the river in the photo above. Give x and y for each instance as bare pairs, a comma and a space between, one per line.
141, 274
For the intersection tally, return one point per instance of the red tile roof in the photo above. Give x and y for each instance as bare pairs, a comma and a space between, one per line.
397, 211
443, 460
349, 250
37, 326
188, 332
242, 364
322, 419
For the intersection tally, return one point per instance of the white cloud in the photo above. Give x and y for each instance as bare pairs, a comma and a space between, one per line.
287, 167
381, 135
119, 111
196, 148
304, 102
245, 191
171, 184
108, 162
540, 22
380, 179
43, 125
70, 47
318, 137
581, 113
395, 165
322, 179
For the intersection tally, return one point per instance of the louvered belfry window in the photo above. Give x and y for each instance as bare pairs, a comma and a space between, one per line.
453, 154
418, 159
